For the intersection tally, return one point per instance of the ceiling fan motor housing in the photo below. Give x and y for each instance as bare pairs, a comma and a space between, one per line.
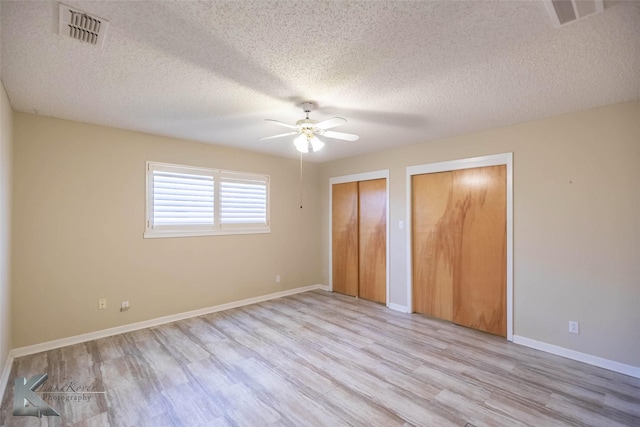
306, 122
307, 127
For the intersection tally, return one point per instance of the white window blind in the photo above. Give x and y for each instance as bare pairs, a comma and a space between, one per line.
243, 200
181, 198
190, 201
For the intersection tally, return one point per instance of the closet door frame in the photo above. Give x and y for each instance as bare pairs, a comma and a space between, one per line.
365, 176
475, 162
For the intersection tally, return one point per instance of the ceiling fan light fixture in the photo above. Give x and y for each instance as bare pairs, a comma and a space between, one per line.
316, 144
301, 143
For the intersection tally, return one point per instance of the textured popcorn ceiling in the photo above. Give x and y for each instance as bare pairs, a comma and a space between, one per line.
400, 72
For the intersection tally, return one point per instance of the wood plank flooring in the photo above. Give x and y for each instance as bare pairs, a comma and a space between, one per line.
321, 359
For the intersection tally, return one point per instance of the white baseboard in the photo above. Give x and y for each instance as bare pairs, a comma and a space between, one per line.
398, 307
4, 374
632, 371
77, 339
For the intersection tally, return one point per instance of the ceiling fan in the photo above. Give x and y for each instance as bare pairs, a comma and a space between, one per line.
308, 130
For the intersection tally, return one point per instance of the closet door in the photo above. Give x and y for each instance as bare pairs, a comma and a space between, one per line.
480, 279
459, 247
373, 239
434, 244
344, 220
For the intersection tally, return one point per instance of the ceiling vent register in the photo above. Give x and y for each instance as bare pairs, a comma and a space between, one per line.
566, 11
81, 26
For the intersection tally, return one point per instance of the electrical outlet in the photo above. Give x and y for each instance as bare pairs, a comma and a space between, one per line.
124, 306
574, 327
102, 303
278, 278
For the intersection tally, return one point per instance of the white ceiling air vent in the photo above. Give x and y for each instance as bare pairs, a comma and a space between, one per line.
81, 26
565, 11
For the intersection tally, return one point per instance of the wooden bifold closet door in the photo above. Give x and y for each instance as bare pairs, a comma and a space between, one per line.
359, 239
345, 238
459, 247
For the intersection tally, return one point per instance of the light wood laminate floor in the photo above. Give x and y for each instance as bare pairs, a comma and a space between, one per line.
321, 359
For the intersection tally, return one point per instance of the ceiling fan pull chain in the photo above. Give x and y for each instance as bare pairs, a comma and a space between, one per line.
300, 180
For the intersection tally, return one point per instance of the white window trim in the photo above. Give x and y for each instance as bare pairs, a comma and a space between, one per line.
202, 230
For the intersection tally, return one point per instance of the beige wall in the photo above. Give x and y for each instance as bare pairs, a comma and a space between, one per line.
6, 141
576, 223
79, 215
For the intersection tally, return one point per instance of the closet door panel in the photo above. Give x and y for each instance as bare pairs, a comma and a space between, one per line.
373, 239
479, 280
433, 244
344, 217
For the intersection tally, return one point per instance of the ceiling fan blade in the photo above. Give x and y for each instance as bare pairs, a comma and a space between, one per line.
341, 135
278, 136
277, 122
330, 123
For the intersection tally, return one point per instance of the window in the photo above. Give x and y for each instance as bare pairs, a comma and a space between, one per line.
192, 201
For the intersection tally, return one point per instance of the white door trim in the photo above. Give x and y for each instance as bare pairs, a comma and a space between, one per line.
365, 176
491, 160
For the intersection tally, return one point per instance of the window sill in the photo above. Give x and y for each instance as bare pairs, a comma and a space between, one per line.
228, 232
